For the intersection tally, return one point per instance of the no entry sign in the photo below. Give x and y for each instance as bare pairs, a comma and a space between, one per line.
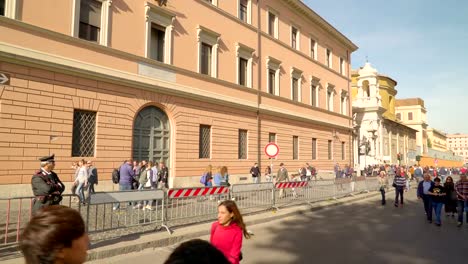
271, 150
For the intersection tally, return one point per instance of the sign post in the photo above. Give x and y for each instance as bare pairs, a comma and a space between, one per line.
271, 150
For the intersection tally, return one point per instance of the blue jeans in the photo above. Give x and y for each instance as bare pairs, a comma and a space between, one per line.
462, 207
80, 191
123, 187
427, 206
437, 210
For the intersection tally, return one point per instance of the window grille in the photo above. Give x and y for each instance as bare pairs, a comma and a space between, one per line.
295, 147
242, 144
205, 142
84, 133
314, 148
272, 138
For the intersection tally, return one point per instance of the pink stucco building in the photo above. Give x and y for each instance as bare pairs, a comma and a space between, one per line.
191, 82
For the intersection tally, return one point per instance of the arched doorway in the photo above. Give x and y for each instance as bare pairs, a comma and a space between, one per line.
151, 135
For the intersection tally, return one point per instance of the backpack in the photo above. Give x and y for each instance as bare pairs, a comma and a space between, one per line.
116, 176
203, 178
313, 171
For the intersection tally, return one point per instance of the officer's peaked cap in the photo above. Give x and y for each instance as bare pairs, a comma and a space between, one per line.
48, 158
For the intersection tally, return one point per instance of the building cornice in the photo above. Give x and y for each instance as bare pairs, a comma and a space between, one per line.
32, 58
270, 110
318, 109
396, 123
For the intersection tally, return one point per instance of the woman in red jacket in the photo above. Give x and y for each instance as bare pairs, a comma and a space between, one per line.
227, 232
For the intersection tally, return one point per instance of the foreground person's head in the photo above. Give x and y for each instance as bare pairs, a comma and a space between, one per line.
196, 251
55, 235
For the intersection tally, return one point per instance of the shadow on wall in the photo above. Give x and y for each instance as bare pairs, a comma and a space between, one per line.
362, 233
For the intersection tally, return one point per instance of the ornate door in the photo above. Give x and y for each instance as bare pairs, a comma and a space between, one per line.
151, 136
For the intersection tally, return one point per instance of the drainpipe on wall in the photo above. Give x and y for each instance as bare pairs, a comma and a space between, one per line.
350, 111
259, 84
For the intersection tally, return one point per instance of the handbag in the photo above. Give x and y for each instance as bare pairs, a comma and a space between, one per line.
394, 185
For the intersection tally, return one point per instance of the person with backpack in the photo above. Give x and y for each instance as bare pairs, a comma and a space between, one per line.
163, 176
126, 174
207, 177
255, 172
145, 183
313, 171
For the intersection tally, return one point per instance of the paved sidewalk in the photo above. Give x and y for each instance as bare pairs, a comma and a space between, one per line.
139, 242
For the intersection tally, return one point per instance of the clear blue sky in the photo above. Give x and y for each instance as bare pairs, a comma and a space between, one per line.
422, 44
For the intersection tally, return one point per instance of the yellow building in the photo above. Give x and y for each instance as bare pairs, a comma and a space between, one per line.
437, 139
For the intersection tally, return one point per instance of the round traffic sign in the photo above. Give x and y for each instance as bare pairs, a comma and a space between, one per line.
271, 150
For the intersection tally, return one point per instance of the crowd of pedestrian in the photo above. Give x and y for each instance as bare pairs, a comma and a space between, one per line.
143, 175
84, 179
436, 195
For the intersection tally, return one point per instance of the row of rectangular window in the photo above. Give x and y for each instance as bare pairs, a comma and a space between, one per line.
295, 40
205, 144
410, 116
84, 133
89, 28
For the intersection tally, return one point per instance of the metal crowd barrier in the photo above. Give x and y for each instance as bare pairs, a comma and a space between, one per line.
192, 205
127, 211
252, 198
16, 212
111, 214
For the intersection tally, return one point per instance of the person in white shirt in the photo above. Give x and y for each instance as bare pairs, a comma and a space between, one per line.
81, 180
154, 182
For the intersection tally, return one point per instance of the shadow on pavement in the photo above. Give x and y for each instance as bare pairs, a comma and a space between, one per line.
364, 232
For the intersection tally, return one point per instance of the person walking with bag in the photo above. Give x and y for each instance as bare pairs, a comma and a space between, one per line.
227, 233
383, 182
400, 185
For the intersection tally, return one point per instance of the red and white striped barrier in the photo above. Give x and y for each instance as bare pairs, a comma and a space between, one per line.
287, 185
198, 191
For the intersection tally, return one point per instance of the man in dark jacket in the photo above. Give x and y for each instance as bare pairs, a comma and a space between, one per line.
163, 175
423, 193
92, 177
255, 172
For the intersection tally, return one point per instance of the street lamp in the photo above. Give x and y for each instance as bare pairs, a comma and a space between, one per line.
364, 149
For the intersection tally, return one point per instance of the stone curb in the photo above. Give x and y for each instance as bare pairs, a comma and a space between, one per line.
97, 254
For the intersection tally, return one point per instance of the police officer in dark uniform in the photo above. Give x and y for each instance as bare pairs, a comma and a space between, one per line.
46, 185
